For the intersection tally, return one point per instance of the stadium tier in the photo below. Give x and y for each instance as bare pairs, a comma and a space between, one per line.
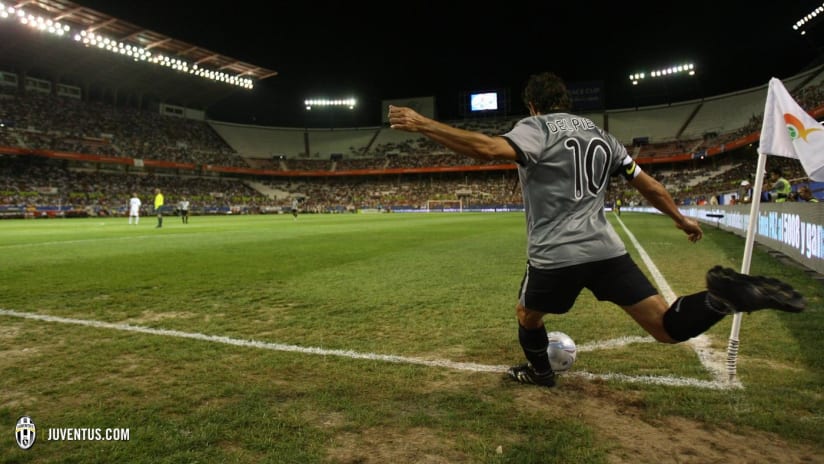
698, 149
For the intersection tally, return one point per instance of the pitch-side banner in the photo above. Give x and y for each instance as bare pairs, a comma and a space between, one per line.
791, 132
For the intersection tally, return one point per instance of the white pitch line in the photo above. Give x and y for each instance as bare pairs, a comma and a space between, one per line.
614, 343
442, 363
95, 240
663, 286
712, 361
257, 344
659, 380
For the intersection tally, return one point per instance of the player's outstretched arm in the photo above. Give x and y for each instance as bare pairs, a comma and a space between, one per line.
657, 196
474, 144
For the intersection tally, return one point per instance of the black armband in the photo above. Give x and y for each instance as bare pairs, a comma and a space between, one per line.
630, 171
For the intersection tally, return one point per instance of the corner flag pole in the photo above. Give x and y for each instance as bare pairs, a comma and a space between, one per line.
752, 229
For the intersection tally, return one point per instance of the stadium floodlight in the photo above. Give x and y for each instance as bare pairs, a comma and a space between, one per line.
35, 22
91, 39
327, 103
806, 19
686, 68
137, 53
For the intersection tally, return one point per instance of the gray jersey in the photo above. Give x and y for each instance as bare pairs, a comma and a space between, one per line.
564, 165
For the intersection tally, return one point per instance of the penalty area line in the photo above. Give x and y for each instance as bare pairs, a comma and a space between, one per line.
441, 363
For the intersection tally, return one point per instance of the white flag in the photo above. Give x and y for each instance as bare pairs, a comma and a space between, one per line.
791, 132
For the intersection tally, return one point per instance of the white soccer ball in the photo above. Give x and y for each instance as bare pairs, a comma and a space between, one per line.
561, 350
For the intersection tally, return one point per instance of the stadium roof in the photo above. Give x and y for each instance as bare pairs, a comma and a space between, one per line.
32, 52
374, 51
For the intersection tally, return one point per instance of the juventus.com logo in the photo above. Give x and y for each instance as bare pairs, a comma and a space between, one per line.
25, 432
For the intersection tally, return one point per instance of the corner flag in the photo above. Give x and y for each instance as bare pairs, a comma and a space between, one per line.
788, 131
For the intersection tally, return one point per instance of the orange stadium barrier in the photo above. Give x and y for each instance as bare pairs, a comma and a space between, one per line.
97, 158
169, 164
357, 172
710, 151
14, 151
81, 157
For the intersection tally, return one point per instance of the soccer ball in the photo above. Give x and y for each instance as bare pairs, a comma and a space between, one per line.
561, 351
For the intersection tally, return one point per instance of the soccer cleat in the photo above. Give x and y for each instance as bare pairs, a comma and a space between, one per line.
736, 292
526, 374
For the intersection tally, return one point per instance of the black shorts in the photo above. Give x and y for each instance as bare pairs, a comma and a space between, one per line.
618, 280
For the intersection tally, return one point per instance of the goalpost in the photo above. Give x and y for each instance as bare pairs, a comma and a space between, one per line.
444, 206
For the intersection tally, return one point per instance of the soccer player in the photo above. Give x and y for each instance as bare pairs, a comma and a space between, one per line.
134, 209
295, 207
184, 210
158, 204
564, 162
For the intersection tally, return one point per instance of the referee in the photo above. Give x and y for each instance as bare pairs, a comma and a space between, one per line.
158, 204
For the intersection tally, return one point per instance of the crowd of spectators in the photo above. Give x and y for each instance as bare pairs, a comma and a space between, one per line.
411, 191
705, 181
36, 183
47, 122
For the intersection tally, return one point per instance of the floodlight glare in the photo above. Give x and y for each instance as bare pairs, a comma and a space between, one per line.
688, 68
90, 39
798, 26
325, 102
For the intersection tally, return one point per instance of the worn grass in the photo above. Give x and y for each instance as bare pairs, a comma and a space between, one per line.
433, 286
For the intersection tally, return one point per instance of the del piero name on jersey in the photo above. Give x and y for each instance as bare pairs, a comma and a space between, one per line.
569, 124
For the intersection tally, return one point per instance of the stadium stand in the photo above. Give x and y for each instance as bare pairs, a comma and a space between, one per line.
352, 143
658, 124
85, 151
261, 142
722, 114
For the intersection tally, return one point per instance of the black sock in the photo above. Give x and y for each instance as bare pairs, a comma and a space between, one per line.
691, 316
535, 343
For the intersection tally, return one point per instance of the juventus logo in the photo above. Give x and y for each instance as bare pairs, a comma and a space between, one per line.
25, 432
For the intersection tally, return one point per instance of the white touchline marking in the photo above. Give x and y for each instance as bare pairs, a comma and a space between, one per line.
461, 366
663, 286
95, 240
712, 361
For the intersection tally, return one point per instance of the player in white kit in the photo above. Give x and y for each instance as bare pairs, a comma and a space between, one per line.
134, 209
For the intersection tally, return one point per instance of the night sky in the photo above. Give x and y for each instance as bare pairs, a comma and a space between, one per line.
391, 50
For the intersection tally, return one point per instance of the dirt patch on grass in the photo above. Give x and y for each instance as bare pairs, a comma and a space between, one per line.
373, 446
619, 421
621, 424
12, 353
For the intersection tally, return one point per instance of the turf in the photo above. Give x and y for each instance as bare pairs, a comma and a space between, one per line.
422, 286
